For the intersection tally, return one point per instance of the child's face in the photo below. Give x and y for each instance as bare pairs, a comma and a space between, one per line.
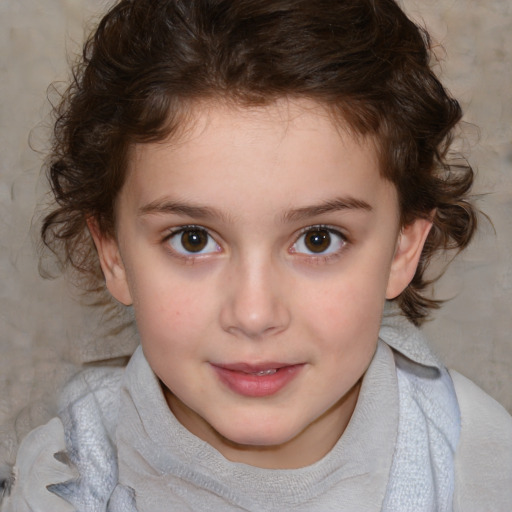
258, 251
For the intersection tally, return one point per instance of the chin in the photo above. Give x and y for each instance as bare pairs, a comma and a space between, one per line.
258, 435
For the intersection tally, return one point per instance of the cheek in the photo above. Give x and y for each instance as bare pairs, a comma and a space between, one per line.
170, 311
346, 313
349, 294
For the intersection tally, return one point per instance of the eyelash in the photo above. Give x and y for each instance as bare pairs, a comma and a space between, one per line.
321, 257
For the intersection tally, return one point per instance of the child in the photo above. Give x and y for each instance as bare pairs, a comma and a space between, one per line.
258, 179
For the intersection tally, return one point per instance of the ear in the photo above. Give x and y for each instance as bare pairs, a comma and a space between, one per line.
407, 254
111, 263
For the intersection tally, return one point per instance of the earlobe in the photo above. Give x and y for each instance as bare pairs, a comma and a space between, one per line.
111, 263
407, 254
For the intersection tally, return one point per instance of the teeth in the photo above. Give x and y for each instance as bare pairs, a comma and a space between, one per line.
266, 372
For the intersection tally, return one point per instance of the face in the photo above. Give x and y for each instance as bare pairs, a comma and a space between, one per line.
257, 251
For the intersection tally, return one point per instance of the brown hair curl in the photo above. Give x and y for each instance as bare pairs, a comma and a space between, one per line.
364, 59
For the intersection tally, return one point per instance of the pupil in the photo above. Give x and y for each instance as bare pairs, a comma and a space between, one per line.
318, 241
194, 240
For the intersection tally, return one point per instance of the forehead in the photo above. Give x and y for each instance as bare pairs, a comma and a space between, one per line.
291, 151
196, 122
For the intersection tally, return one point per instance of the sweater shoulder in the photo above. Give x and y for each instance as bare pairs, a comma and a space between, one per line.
483, 459
42, 460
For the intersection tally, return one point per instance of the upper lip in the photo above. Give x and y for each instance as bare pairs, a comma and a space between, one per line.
253, 368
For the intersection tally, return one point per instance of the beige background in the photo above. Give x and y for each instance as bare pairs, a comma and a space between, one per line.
45, 334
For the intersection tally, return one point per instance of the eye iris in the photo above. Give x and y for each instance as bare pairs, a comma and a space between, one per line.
318, 240
194, 240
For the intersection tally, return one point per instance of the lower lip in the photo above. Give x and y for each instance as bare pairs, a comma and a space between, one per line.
250, 385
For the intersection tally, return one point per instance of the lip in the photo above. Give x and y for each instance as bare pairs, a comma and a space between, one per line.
241, 378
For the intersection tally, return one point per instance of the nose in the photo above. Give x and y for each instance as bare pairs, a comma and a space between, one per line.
254, 306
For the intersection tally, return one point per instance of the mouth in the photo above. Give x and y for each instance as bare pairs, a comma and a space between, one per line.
257, 380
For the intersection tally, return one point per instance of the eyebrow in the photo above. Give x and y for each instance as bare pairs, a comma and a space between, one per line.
163, 206
335, 205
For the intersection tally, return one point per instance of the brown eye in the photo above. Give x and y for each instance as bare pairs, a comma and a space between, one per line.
317, 241
194, 240
191, 240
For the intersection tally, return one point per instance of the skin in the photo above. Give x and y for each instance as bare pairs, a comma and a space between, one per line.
260, 182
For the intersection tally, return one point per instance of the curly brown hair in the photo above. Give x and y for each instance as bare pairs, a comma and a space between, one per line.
364, 59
